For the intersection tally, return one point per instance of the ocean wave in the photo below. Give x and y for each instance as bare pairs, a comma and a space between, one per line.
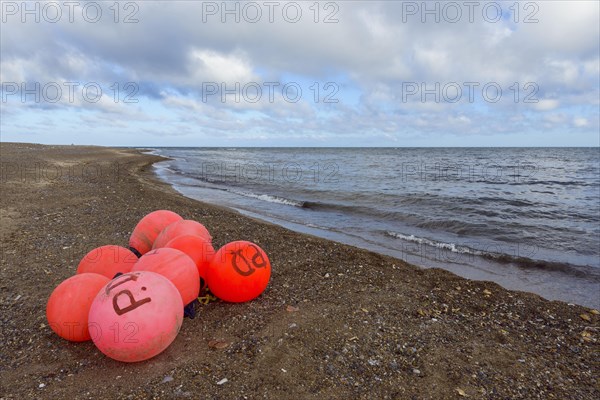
461, 249
152, 152
271, 199
168, 168
580, 271
553, 183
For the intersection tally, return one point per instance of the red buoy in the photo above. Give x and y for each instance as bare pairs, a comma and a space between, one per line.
179, 228
240, 271
107, 261
145, 232
175, 265
69, 304
197, 248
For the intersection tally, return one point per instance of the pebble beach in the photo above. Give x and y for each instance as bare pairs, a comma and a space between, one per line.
336, 321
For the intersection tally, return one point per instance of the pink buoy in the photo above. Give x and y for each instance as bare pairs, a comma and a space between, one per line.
175, 265
108, 261
145, 232
179, 228
197, 248
135, 316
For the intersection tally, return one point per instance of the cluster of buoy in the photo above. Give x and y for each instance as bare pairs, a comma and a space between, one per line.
130, 302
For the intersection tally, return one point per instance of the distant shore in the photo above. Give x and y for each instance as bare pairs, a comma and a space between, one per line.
360, 325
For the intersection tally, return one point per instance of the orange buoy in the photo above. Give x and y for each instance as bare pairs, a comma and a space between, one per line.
107, 261
69, 304
135, 316
145, 232
179, 228
197, 248
240, 271
175, 265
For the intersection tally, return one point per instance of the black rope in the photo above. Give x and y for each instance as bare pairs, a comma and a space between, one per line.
134, 251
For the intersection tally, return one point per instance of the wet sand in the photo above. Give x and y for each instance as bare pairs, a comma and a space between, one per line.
336, 322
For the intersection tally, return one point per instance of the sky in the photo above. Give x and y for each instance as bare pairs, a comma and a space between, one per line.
304, 73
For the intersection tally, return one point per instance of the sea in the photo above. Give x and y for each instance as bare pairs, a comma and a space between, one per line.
525, 218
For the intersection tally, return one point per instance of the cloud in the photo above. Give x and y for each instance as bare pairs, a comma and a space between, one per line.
546, 104
372, 50
580, 122
564, 27
559, 118
207, 65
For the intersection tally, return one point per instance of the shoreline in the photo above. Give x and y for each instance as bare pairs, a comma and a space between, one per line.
513, 269
366, 325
